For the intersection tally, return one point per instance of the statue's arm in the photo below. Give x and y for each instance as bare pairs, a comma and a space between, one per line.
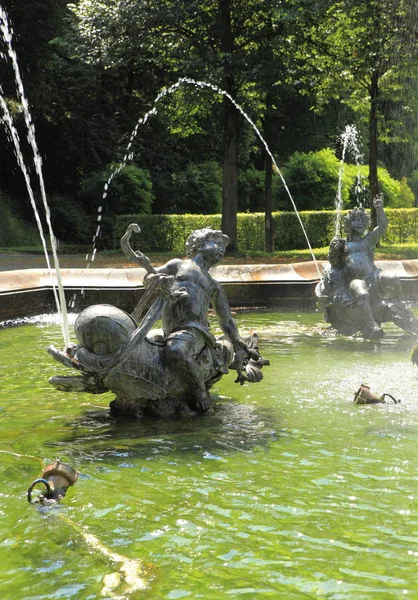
382, 221
158, 284
169, 268
229, 327
223, 311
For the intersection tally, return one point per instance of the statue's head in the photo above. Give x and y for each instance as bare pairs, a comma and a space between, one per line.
211, 242
336, 252
357, 221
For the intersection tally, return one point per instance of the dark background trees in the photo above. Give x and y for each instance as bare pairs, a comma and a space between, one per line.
300, 69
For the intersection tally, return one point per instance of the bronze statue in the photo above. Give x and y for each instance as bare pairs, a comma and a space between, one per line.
153, 371
356, 295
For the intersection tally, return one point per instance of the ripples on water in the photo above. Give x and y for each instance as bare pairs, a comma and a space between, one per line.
287, 490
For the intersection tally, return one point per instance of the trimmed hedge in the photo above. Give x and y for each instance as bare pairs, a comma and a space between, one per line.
168, 233
163, 233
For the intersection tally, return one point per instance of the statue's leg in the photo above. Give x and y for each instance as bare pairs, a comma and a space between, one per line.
369, 327
396, 310
389, 285
182, 348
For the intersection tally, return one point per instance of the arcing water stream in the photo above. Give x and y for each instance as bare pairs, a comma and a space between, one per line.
60, 299
200, 84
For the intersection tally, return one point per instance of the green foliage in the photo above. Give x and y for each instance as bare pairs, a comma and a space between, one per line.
413, 184
300, 69
14, 231
197, 189
396, 194
130, 190
406, 195
163, 233
312, 179
319, 227
250, 231
389, 188
70, 222
403, 226
251, 190
357, 183
168, 233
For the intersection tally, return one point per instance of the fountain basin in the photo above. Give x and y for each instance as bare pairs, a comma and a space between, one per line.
288, 490
29, 291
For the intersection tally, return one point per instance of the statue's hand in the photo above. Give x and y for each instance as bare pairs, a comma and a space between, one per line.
378, 202
247, 361
162, 282
344, 298
179, 294
241, 344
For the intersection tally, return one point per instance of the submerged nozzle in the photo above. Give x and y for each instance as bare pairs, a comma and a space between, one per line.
56, 478
365, 396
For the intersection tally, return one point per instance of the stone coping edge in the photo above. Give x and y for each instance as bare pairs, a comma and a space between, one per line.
131, 278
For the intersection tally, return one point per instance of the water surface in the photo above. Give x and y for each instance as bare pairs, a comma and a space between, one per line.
288, 490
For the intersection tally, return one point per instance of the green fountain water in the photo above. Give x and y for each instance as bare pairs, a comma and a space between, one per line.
288, 490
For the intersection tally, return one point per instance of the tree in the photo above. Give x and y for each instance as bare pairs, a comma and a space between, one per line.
361, 53
32, 25
217, 41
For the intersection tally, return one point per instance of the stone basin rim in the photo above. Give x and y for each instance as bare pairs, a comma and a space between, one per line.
28, 292
36, 278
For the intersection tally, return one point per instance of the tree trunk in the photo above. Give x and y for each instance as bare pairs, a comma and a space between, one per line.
373, 181
230, 163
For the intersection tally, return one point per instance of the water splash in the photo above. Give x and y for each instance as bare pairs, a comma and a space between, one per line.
350, 142
60, 297
200, 84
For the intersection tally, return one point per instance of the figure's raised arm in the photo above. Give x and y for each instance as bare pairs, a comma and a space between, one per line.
382, 221
169, 268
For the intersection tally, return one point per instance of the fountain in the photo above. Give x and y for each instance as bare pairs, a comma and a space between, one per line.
285, 489
356, 295
154, 372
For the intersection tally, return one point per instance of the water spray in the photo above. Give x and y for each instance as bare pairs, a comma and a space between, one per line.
60, 298
350, 141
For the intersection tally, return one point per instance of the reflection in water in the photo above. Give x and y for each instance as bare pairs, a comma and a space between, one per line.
231, 427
